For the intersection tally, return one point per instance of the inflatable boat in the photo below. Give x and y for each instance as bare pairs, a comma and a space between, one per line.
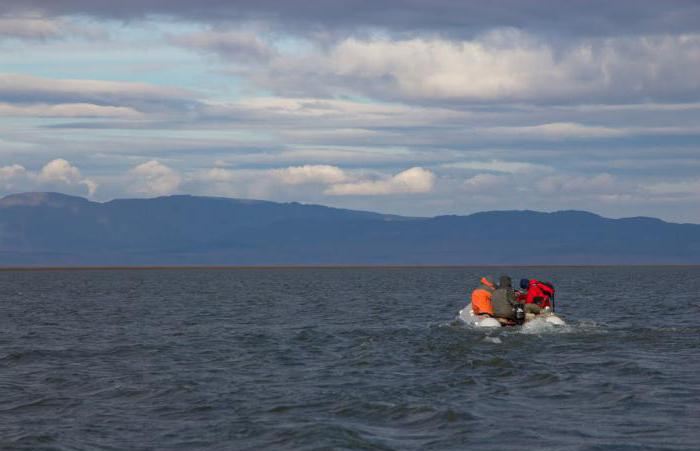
467, 315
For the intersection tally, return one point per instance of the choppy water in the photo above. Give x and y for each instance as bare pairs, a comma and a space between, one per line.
344, 359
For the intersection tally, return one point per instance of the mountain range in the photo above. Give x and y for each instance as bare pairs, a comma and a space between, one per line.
53, 229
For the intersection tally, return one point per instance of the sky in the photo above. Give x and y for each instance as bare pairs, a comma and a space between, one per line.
409, 107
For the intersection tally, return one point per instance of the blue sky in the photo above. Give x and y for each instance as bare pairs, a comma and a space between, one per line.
408, 107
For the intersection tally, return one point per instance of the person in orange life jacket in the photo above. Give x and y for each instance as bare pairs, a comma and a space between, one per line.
504, 299
481, 297
538, 295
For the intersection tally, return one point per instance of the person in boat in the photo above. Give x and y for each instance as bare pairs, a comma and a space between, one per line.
481, 297
538, 297
504, 300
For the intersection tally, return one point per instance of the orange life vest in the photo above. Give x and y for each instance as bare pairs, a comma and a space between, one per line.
481, 299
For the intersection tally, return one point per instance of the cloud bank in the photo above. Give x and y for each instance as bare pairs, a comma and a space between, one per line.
57, 174
407, 107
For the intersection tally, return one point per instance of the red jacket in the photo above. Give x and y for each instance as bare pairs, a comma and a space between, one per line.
539, 293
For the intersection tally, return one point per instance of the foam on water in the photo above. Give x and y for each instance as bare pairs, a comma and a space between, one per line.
537, 326
541, 325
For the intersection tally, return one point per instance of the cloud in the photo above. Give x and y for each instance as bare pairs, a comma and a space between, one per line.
509, 167
57, 174
414, 180
239, 183
30, 28
561, 188
449, 17
12, 177
67, 110
44, 28
535, 104
500, 67
596, 184
349, 115
239, 46
557, 130
154, 178
30, 90
60, 172
298, 175
487, 183
308, 182
688, 188
218, 175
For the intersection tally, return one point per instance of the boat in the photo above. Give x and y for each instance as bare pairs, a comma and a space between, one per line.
467, 315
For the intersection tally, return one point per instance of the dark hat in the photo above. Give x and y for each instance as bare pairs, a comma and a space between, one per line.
505, 282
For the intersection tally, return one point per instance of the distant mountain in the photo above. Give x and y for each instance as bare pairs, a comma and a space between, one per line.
55, 229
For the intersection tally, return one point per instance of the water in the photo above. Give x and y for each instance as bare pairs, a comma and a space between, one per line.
344, 359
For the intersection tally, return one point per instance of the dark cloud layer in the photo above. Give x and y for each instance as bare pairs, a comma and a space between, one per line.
27, 90
451, 17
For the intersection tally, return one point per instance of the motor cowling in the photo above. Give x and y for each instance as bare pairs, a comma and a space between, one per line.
519, 312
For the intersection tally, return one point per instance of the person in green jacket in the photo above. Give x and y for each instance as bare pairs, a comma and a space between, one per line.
503, 299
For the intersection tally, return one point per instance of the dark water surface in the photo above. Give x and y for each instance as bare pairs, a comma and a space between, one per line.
344, 359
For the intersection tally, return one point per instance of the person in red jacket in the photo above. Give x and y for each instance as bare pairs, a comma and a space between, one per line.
539, 295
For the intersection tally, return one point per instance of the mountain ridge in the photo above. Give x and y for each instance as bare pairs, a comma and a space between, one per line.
58, 229
57, 195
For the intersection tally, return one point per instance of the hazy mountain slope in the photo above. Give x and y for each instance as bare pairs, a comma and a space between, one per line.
54, 229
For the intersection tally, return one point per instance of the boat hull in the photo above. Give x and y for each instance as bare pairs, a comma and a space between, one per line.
467, 315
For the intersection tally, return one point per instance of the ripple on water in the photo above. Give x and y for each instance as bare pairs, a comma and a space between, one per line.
341, 359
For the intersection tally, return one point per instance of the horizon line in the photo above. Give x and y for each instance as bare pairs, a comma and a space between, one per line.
322, 266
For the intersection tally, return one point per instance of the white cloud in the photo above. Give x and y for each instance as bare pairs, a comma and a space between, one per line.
12, 171
556, 130
219, 175
319, 173
562, 189
414, 180
154, 178
421, 68
308, 181
12, 177
504, 65
508, 167
336, 113
677, 188
57, 174
485, 183
60, 172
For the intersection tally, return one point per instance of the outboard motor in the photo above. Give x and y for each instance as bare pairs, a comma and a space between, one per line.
519, 311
